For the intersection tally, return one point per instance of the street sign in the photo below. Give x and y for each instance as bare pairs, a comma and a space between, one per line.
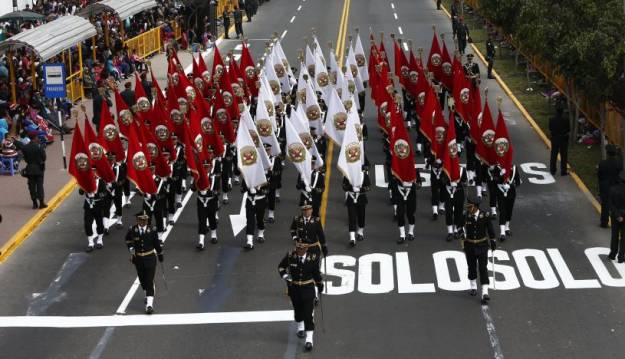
54, 81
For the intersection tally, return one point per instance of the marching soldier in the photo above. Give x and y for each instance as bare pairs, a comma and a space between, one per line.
275, 182
118, 187
153, 204
207, 207
94, 211
506, 194
437, 188
453, 196
179, 174
478, 226
405, 195
307, 229
170, 192
607, 174
145, 247
226, 171
300, 270
312, 194
490, 56
472, 71
255, 213
356, 202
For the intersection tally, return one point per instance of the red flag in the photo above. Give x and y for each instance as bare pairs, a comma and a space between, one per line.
402, 69
125, 118
451, 160
485, 151
440, 133
430, 109
435, 58
108, 135
462, 95
162, 168
139, 164
247, 66
219, 68
189, 152
447, 71
79, 164
402, 161
97, 156
475, 113
224, 117
503, 146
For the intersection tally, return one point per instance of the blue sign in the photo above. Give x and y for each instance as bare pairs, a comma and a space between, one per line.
54, 81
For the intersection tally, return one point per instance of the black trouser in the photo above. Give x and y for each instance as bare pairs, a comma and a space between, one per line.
117, 199
605, 209
462, 44
472, 162
126, 186
146, 268
559, 146
239, 28
207, 213
170, 201
505, 205
491, 63
303, 299
271, 198
355, 215
477, 258
226, 29
406, 209
107, 202
156, 208
94, 214
255, 214
454, 207
226, 174
35, 187
436, 188
492, 193
616, 245
361, 101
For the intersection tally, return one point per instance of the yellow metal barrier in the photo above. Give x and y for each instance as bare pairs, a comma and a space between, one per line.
145, 44
223, 4
74, 87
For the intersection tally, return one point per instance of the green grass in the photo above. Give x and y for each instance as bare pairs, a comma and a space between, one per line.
582, 159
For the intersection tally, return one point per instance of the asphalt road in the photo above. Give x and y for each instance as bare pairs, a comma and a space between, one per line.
384, 299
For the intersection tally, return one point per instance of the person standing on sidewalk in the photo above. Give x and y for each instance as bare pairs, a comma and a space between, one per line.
607, 176
462, 32
490, 56
35, 156
617, 214
560, 128
238, 21
226, 21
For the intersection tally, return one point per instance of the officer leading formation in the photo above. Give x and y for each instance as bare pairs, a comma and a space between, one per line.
240, 122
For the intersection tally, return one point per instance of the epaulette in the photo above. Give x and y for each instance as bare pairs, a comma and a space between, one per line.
313, 257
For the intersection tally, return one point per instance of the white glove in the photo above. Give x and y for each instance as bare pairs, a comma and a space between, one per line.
253, 190
356, 189
308, 189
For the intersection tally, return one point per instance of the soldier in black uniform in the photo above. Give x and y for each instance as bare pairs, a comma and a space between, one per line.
119, 169
405, 195
255, 213
607, 174
506, 194
275, 182
154, 204
94, 211
476, 244
300, 270
170, 191
312, 194
559, 128
356, 202
226, 171
490, 56
179, 174
207, 207
453, 196
436, 184
144, 247
472, 71
307, 228
617, 213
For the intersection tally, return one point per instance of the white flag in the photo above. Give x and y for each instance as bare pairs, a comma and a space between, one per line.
313, 110
246, 118
361, 59
266, 128
352, 152
298, 119
322, 79
297, 153
353, 66
248, 158
336, 120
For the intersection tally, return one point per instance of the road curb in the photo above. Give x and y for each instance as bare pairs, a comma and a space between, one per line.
24, 232
578, 181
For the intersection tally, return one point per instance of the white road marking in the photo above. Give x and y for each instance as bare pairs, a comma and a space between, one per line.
492, 333
401, 32
283, 34
395, 15
136, 320
393, 6
292, 19
135, 285
299, 8
239, 47
239, 221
